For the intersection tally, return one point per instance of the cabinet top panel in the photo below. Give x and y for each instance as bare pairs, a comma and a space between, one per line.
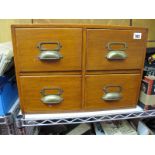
93, 26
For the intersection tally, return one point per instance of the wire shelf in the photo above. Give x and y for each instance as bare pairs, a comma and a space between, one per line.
83, 117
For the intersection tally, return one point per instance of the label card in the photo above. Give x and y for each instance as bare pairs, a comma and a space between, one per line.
137, 35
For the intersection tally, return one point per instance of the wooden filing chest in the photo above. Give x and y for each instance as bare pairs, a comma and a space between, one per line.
66, 67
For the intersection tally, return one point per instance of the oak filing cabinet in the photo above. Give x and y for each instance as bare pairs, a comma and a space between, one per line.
66, 67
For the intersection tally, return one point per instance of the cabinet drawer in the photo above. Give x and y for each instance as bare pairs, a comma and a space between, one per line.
109, 49
47, 94
48, 49
112, 91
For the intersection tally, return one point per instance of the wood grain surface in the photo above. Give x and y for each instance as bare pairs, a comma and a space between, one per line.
31, 96
94, 90
28, 53
97, 41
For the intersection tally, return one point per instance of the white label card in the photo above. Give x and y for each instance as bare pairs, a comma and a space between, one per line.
137, 35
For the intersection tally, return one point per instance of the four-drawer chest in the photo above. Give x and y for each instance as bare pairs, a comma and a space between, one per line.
77, 67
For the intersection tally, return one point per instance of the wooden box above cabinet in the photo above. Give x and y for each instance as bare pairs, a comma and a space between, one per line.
65, 67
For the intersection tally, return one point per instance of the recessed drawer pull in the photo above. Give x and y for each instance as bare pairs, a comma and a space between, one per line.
116, 54
49, 54
51, 99
112, 96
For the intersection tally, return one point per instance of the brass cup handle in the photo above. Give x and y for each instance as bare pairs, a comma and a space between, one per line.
112, 96
49, 54
116, 54
51, 99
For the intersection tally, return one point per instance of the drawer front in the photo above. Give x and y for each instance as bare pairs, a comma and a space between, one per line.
48, 49
47, 94
112, 91
115, 49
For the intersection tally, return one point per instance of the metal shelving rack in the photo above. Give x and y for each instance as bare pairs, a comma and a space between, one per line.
7, 122
5, 125
37, 120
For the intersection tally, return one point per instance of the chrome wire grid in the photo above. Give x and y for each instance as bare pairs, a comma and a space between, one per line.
23, 122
